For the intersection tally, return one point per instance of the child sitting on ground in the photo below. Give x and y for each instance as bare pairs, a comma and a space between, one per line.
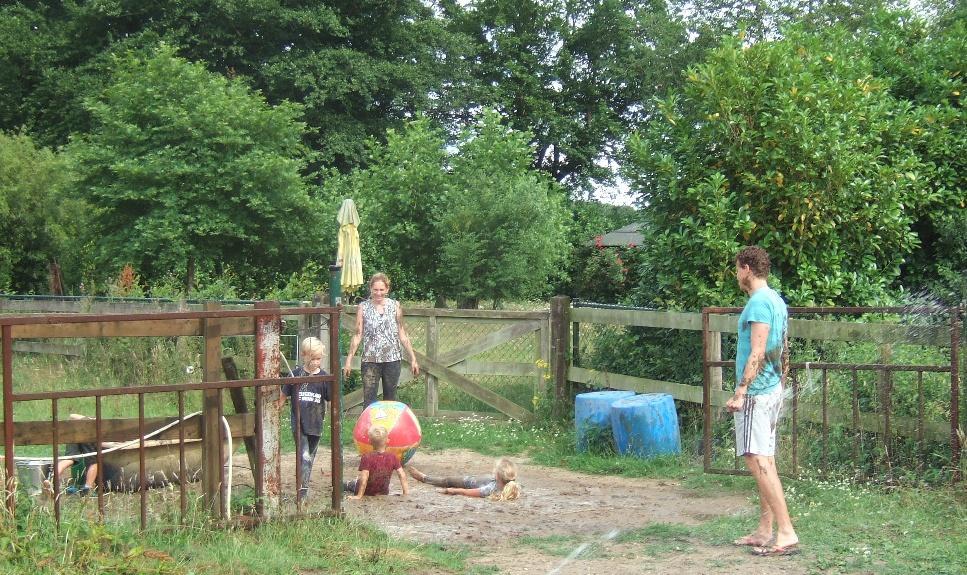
376, 468
502, 486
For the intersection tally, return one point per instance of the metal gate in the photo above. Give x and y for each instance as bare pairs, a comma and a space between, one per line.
259, 427
881, 419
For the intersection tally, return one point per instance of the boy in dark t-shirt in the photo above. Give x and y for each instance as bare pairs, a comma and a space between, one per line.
311, 400
376, 468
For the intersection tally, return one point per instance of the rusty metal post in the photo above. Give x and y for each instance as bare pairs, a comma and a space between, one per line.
142, 464
825, 427
335, 411
8, 418
858, 432
213, 466
55, 430
560, 340
99, 441
795, 423
182, 475
269, 478
954, 391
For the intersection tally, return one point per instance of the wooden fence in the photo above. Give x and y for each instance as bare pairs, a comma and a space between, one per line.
945, 334
453, 346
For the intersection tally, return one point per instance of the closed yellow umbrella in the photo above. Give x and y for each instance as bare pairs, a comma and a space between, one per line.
348, 255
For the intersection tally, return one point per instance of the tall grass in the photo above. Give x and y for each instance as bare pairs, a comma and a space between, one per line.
32, 545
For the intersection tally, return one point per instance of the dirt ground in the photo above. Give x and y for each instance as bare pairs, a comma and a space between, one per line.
566, 523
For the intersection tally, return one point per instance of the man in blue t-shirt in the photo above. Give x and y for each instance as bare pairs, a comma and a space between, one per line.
760, 365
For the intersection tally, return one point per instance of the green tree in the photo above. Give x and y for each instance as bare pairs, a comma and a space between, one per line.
192, 173
576, 75
470, 220
357, 66
503, 226
793, 145
40, 223
924, 64
397, 195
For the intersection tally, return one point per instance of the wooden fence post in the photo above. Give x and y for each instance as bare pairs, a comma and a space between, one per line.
432, 352
268, 475
560, 338
241, 406
213, 467
714, 353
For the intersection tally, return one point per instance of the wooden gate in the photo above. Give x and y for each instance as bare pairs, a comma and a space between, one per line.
463, 348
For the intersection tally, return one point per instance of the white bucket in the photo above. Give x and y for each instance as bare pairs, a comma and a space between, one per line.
30, 476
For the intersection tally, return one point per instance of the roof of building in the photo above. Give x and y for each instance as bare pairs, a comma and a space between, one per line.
621, 237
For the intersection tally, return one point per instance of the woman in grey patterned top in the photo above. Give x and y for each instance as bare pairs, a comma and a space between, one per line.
379, 326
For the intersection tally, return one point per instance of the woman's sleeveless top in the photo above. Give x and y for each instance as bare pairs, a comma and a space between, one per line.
381, 332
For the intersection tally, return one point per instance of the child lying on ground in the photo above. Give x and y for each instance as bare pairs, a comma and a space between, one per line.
502, 486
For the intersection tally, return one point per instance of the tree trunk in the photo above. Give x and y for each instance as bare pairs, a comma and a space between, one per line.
468, 302
190, 277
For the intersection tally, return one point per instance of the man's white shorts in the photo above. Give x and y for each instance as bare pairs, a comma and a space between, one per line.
756, 423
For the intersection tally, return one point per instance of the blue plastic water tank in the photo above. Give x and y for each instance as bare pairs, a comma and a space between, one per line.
646, 425
592, 414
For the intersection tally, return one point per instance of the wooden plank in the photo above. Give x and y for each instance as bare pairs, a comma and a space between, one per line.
514, 369
873, 332
934, 430
156, 328
488, 342
122, 429
473, 389
50, 348
447, 313
636, 317
798, 328
680, 391
87, 306
241, 406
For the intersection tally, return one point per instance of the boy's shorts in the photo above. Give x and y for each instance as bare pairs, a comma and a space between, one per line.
756, 423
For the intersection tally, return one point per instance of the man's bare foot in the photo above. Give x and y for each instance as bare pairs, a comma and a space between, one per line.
784, 540
752, 540
416, 473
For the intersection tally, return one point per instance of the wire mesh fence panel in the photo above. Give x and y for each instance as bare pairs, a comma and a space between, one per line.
500, 356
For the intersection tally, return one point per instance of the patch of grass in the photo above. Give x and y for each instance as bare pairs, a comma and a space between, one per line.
660, 539
846, 528
314, 544
488, 436
555, 545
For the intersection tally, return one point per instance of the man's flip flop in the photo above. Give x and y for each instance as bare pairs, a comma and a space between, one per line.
776, 551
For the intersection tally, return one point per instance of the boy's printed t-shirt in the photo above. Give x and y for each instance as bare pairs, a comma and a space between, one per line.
381, 467
312, 399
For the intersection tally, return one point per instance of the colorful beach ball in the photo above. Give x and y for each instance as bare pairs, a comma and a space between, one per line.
398, 419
